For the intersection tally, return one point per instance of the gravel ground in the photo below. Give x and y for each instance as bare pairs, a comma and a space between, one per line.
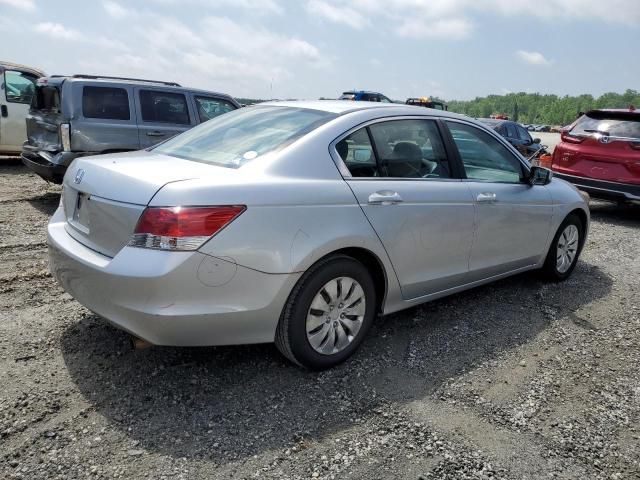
520, 379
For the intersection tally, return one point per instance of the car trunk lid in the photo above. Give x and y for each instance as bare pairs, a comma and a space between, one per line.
104, 196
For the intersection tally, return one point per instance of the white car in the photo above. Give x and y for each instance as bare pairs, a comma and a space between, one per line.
17, 87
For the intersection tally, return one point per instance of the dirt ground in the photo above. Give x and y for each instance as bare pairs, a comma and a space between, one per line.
517, 380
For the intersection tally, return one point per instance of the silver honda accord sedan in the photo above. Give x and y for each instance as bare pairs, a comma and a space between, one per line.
298, 222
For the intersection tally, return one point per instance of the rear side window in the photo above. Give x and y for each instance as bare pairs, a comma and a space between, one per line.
511, 130
105, 102
46, 99
164, 107
209, 107
608, 125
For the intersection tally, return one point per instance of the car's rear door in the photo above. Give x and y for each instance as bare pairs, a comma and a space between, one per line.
401, 176
512, 218
162, 113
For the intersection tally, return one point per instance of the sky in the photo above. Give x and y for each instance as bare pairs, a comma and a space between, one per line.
453, 49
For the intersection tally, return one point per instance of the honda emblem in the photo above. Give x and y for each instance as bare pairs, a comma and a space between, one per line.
79, 175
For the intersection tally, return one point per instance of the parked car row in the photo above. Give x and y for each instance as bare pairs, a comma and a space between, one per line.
537, 128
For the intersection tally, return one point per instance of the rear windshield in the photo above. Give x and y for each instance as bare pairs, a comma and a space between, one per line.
238, 137
614, 125
47, 99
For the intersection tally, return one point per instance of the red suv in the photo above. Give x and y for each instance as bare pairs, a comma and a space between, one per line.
600, 153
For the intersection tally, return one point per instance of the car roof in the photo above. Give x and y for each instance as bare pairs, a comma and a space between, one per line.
58, 79
494, 122
342, 107
23, 68
362, 91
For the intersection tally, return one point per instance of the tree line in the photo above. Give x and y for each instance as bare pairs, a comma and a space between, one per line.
542, 109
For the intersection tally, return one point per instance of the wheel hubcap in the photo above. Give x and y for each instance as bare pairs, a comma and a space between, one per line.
335, 315
567, 248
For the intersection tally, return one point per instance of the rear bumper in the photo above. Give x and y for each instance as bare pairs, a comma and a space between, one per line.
49, 166
170, 298
603, 189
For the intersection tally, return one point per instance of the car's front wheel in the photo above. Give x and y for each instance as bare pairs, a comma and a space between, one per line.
565, 249
328, 313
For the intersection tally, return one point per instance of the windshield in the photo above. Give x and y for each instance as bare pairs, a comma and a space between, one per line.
610, 124
347, 96
238, 137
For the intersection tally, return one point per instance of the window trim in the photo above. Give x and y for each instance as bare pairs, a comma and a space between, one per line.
346, 174
499, 138
4, 81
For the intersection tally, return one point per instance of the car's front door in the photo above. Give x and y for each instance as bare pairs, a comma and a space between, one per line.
161, 115
513, 218
402, 179
18, 89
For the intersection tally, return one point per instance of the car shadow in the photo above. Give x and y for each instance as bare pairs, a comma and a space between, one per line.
227, 403
625, 215
46, 203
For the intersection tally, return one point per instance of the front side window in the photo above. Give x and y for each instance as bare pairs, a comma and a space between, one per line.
244, 135
403, 149
484, 157
164, 107
105, 102
384, 99
524, 135
511, 131
209, 107
19, 87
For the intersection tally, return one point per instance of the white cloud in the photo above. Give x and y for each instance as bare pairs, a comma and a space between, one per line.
116, 10
337, 14
57, 30
533, 58
26, 5
453, 18
452, 29
250, 6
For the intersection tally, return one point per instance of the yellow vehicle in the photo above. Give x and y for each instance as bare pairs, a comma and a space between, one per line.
427, 102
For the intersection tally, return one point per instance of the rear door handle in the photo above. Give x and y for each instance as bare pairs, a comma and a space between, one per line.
156, 134
486, 197
385, 197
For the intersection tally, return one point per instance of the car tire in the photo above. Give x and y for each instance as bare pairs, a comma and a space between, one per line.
328, 313
565, 249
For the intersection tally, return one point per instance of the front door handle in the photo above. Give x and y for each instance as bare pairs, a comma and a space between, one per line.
385, 197
486, 197
156, 134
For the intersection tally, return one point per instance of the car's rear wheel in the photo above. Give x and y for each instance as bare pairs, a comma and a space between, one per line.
565, 249
328, 313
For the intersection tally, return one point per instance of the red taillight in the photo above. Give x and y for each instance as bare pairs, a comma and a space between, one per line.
181, 228
565, 136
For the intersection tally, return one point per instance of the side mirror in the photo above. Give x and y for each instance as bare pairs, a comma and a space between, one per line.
540, 176
536, 140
